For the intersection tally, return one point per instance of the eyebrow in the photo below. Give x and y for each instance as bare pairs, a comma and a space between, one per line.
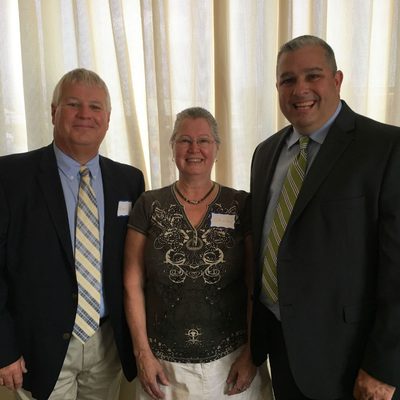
201, 135
307, 71
80, 101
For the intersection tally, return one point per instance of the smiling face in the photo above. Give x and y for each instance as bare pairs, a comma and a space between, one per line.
194, 148
309, 91
80, 120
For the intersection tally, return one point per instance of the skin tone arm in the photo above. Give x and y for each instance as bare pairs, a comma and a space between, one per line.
368, 388
150, 372
243, 370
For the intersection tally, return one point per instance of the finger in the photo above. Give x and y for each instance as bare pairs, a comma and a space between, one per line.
18, 381
163, 378
233, 391
232, 376
8, 382
237, 389
155, 391
148, 391
23, 366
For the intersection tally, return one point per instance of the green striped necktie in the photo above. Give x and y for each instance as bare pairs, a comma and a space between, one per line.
290, 190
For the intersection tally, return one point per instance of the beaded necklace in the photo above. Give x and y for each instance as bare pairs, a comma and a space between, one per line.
193, 202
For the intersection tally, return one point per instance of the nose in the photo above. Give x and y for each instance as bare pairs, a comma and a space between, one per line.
301, 87
194, 145
84, 111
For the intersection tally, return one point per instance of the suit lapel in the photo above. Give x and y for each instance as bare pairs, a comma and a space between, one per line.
336, 142
49, 181
111, 191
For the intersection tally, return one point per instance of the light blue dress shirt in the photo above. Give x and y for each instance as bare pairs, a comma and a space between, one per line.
68, 169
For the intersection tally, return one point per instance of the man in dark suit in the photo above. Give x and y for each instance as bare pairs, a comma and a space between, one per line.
40, 354
331, 323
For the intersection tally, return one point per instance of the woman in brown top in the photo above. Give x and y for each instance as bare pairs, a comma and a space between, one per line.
187, 278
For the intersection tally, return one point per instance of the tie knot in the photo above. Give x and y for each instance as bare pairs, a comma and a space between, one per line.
84, 171
304, 140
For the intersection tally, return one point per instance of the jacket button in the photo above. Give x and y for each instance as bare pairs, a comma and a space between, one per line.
66, 336
74, 296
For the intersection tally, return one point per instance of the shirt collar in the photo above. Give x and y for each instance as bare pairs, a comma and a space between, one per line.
70, 167
319, 135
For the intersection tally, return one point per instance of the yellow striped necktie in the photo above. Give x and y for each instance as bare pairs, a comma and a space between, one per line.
287, 198
87, 260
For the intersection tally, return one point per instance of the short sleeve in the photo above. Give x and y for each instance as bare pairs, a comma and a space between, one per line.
139, 216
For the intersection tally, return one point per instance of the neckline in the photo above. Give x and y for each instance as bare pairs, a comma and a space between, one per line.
193, 202
182, 207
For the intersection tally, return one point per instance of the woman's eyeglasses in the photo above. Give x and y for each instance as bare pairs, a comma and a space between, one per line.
186, 142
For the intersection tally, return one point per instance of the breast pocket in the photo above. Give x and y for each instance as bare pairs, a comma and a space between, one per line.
358, 313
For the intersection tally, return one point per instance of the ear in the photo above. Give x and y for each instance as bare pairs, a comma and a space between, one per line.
338, 80
216, 152
53, 112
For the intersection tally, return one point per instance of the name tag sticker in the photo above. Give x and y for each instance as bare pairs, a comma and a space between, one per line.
124, 208
223, 220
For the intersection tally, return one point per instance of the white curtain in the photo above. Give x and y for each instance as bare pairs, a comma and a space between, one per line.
160, 56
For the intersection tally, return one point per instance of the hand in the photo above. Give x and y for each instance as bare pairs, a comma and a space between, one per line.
242, 372
367, 387
151, 374
11, 375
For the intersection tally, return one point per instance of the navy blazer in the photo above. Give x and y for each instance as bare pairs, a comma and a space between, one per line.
38, 288
339, 260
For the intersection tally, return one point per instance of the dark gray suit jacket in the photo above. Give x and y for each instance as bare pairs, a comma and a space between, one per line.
339, 260
38, 289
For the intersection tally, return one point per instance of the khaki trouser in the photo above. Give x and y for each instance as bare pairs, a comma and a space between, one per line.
90, 372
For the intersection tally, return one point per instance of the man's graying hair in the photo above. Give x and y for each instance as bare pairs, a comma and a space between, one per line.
80, 75
193, 113
309, 40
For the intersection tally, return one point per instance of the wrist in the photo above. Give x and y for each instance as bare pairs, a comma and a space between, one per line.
142, 352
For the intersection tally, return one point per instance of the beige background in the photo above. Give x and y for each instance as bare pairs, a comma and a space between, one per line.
126, 392
159, 57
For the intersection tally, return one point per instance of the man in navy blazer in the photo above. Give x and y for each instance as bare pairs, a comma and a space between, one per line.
334, 332
39, 355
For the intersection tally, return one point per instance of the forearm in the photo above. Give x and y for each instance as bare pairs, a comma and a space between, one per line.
134, 297
136, 318
150, 372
